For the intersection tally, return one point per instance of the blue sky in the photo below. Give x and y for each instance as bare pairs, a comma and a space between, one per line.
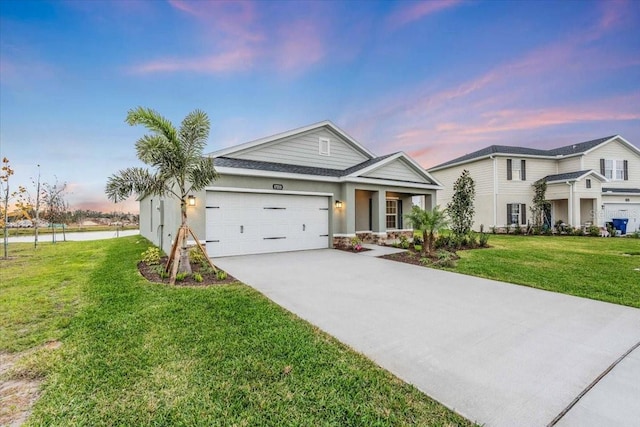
435, 79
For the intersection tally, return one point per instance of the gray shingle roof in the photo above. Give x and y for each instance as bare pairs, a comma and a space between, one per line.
565, 176
288, 168
507, 149
621, 190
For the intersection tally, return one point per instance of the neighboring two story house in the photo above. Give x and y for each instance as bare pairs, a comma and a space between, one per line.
308, 188
587, 183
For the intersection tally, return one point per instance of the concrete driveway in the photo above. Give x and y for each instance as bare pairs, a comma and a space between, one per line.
499, 354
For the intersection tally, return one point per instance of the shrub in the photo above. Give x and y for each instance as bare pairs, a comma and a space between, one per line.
578, 232
197, 277
403, 242
445, 241
417, 241
425, 261
484, 239
507, 228
517, 230
161, 271
445, 259
181, 276
472, 239
151, 256
196, 256
494, 230
593, 231
221, 275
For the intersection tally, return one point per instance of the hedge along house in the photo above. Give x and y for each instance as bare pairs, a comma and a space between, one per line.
308, 188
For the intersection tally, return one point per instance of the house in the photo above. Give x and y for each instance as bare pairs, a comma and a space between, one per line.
587, 183
312, 187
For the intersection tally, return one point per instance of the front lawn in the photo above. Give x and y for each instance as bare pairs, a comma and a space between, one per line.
136, 353
598, 268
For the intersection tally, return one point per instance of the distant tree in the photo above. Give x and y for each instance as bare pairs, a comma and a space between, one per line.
18, 196
177, 162
428, 222
53, 196
460, 208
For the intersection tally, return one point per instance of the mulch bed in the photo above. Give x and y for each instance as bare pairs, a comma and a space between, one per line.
209, 279
412, 257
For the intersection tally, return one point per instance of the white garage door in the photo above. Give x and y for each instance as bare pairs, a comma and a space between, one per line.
624, 210
254, 223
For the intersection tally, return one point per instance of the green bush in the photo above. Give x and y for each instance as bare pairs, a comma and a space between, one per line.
403, 242
197, 277
484, 239
196, 256
221, 275
181, 276
578, 232
445, 259
152, 256
593, 231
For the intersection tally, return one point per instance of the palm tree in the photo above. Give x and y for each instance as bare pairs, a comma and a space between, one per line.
177, 166
429, 222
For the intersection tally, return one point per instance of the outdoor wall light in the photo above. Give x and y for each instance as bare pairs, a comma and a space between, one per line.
338, 204
191, 200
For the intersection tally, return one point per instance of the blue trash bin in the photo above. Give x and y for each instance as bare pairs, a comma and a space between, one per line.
620, 224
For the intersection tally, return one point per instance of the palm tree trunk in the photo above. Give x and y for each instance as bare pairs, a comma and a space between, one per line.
184, 264
425, 243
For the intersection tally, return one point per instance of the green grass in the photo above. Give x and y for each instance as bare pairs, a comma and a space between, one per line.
14, 232
596, 268
135, 353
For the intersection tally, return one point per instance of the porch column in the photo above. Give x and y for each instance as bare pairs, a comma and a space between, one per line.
379, 211
350, 208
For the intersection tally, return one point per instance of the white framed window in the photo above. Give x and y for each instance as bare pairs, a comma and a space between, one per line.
588, 183
324, 146
516, 213
392, 213
516, 170
614, 169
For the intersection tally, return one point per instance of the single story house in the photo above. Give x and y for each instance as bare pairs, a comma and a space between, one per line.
307, 188
588, 183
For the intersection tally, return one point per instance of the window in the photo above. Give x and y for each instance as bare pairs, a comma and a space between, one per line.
392, 214
516, 170
588, 183
324, 146
516, 213
615, 170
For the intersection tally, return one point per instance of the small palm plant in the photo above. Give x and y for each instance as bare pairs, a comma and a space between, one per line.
428, 222
178, 168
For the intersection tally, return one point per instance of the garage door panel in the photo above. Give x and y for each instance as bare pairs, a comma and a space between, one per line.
250, 223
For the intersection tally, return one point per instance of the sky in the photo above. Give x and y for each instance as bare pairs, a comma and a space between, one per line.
435, 79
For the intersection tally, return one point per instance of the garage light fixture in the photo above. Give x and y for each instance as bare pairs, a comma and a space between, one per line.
191, 200
338, 204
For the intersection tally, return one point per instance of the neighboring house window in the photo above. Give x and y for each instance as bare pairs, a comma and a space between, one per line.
517, 213
516, 170
615, 170
588, 182
324, 146
392, 214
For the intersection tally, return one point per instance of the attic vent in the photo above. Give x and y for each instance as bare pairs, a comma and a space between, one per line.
324, 146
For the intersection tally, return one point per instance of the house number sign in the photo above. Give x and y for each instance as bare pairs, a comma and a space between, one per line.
278, 186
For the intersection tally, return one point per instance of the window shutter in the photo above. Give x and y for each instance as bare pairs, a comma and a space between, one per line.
509, 172
602, 167
524, 169
400, 214
523, 213
626, 170
509, 213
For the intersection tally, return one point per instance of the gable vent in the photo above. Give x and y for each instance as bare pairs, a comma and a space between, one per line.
324, 146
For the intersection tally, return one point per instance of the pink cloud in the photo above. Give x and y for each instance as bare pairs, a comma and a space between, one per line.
300, 45
410, 12
236, 60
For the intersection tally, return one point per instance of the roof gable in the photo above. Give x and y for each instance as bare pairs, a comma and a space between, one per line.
396, 167
573, 176
302, 147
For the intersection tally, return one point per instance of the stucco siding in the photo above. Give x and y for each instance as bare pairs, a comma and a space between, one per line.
615, 150
303, 149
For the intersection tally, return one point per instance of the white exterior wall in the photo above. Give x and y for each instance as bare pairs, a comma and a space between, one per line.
303, 150
616, 151
572, 164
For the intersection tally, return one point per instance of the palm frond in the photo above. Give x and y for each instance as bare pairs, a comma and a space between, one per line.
153, 121
150, 149
202, 174
133, 181
194, 132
